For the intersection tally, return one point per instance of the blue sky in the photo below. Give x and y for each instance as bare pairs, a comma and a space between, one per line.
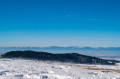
94, 23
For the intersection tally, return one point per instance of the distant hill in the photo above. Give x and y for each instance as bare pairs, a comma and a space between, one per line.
102, 52
67, 57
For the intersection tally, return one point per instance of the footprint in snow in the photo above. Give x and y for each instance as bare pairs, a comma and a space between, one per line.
3, 72
20, 75
44, 77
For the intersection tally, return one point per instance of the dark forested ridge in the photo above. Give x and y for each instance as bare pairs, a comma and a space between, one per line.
67, 57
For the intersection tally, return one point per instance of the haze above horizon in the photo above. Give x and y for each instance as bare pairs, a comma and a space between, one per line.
41, 23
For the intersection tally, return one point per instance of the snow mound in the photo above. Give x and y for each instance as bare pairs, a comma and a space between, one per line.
33, 69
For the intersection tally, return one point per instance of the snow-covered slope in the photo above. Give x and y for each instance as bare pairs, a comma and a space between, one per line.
33, 69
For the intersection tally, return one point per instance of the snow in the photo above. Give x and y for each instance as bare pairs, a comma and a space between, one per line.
33, 69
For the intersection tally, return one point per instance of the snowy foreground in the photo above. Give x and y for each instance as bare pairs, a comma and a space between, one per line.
33, 69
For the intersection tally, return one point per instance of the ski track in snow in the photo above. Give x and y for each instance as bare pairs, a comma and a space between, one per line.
33, 69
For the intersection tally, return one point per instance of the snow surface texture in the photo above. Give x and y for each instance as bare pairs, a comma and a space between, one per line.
33, 69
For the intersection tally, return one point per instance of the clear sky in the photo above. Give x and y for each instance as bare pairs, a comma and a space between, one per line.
94, 23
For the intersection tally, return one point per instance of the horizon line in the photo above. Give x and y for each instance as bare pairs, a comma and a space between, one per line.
61, 46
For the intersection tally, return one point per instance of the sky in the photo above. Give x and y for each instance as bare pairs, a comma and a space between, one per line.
39, 23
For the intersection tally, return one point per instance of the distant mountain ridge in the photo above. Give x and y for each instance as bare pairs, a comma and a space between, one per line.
67, 57
66, 48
